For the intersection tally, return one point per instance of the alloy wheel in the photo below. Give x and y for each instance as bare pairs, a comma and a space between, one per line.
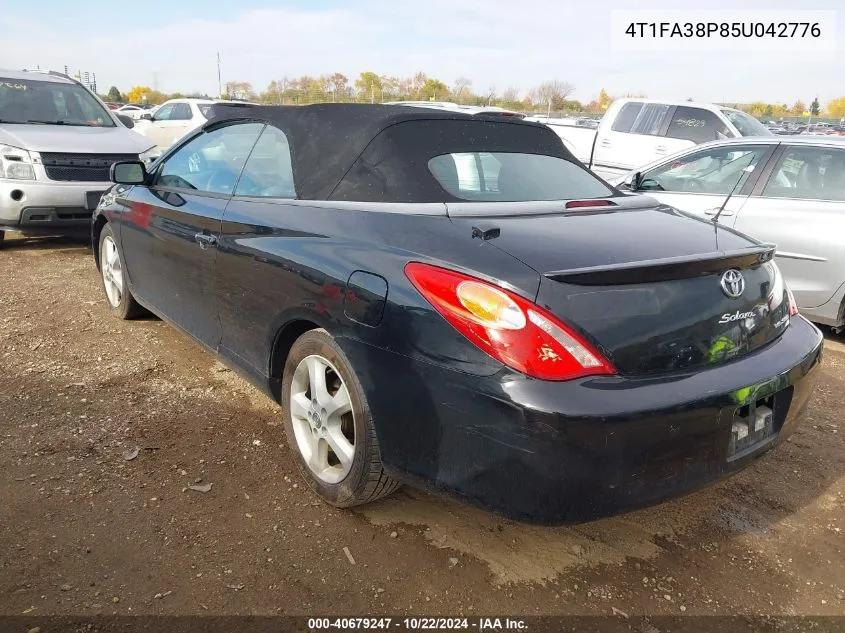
323, 420
112, 271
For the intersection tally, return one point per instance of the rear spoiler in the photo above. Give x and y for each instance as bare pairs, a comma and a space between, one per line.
651, 270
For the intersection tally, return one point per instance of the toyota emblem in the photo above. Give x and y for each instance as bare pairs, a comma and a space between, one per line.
733, 283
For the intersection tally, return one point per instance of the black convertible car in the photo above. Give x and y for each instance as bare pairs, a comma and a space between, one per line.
457, 303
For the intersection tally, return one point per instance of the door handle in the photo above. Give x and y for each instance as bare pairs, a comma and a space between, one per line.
604, 143
715, 210
205, 240
660, 149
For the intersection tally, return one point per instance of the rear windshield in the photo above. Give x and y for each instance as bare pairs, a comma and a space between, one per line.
514, 177
50, 103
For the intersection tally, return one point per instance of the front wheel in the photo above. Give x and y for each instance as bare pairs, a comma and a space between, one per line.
329, 425
119, 298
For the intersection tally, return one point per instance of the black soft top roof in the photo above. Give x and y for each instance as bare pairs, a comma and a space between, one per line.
381, 152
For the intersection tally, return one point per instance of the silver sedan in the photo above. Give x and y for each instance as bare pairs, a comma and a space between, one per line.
786, 190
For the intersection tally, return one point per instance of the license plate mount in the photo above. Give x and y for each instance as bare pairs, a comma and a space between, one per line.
754, 427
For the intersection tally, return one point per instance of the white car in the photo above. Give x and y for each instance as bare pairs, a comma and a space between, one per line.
174, 119
634, 132
786, 190
134, 112
455, 107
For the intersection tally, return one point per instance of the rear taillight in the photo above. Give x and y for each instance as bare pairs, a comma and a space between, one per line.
511, 329
793, 307
775, 297
578, 204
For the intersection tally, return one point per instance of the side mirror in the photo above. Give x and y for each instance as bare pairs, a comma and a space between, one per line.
128, 172
147, 116
127, 121
632, 182
637, 181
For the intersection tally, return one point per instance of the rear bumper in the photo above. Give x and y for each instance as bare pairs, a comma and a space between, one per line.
568, 452
33, 206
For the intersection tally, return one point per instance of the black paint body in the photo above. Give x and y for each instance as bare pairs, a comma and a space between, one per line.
448, 416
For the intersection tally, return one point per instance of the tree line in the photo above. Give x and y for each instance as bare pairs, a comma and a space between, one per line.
835, 108
370, 87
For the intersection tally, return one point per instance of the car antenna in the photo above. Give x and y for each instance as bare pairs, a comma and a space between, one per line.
745, 170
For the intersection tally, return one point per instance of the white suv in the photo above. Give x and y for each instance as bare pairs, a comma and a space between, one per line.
57, 144
175, 118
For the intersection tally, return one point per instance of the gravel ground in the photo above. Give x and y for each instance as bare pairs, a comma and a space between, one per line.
105, 425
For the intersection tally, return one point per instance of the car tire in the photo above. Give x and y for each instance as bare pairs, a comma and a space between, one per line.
344, 474
118, 296
2, 237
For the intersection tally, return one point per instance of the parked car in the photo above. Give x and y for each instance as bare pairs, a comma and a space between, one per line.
532, 340
787, 190
173, 119
455, 107
634, 132
133, 111
587, 122
57, 142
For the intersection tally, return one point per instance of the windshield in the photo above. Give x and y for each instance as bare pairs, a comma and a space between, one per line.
50, 103
514, 177
746, 124
713, 171
206, 109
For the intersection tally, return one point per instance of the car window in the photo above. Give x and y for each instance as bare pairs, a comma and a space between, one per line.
716, 170
746, 124
808, 172
268, 172
650, 118
626, 117
46, 102
163, 113
181, 112
696, 125
513, 177
212, 161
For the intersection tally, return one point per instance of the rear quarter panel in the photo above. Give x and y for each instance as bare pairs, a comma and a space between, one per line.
281, 262
809, 235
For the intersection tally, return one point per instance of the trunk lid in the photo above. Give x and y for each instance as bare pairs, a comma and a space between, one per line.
646, 283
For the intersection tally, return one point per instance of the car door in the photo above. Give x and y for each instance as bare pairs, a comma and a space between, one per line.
243, 284
801, 207
156, 130
700, 181
632, 138
178, 124
176, 223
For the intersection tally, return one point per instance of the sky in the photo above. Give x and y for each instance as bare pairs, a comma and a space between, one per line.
496, 43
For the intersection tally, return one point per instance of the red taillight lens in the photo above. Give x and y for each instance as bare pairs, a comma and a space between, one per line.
579, 204
513, 330
793, 307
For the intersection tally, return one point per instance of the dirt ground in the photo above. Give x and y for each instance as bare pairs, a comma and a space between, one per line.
84, 530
